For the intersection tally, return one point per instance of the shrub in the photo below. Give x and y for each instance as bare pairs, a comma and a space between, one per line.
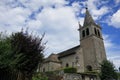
108, 71
70, 70
39, 76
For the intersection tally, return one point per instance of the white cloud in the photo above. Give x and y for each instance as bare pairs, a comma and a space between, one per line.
59, 22
117, 62
62, 25
59, 18
77, 8
34, 24
91, 4
115, 19
36, 4
107, 41
60, 42
112, 50
117, 1
115, 59
14, 14
12, 19
18, 15
97, 12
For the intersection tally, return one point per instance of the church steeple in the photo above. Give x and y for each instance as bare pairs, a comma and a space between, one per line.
92, 43
88, 19
89, 28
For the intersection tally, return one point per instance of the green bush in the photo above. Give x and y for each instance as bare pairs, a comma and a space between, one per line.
91, 72
70, 70
38, 76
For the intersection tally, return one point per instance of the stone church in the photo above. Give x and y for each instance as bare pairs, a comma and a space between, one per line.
85, 57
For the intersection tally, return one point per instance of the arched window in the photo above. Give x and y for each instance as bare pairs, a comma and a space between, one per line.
67, 65
87, 31
95, 31
98, 33
89, 68
83, 33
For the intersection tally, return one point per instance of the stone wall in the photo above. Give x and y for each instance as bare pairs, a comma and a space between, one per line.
74, 60
72, 77
60, 75
75, 76
50, 66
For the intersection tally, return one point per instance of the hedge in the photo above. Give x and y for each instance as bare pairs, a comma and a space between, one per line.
70, 70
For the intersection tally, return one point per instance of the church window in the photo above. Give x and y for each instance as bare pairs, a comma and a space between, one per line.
98, 33
83, 33
89, 68
95, 31
87, 31
67, 65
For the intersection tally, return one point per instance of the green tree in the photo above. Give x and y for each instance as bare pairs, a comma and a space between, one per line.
118, 75
5, 52
108, 71
31, 50
7, 61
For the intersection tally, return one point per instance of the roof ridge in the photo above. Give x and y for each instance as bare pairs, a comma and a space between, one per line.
69, 49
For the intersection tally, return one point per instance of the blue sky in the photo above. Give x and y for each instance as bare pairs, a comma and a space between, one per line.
59, 20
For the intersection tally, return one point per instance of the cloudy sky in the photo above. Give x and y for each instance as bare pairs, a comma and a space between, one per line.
59, 20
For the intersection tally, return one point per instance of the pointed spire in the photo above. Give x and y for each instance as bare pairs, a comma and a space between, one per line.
88, 18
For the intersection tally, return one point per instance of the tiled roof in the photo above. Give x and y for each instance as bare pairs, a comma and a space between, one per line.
52, 58
68, 52
55, 57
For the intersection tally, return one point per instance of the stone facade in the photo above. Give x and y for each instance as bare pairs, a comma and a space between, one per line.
85, 57
73, 60
69, 76
51, 64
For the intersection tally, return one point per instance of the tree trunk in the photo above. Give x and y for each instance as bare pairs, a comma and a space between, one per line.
28, 76
20, 76
24, 76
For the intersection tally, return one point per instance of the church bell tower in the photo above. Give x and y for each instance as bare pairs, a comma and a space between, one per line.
92, 44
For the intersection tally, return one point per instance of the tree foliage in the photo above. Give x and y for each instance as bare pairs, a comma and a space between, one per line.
108, 71
118, 75
21, 53
31, 50
6, 60
5, 51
